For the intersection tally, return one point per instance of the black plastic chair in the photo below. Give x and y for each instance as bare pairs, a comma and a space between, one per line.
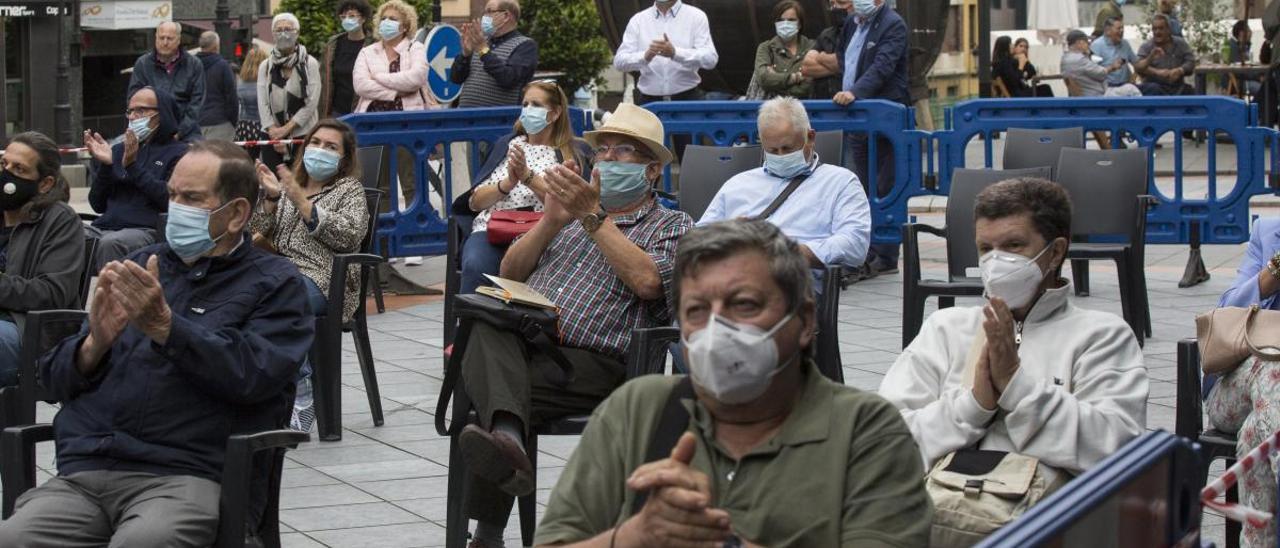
18, 474
326, 351
830, 147
86, 276
1108, 191
371, 174
704, 169
1030, 147
452, 276
646, 355
961, 252
42, 330
828, 340
1189, 423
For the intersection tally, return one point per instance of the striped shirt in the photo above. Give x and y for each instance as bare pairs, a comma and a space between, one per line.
597, 310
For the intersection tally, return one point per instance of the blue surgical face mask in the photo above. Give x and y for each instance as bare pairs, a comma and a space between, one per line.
187, 231
1120, 2
321, 164
863, 8
389, 29
141, 128
350, 23
533, 119
787, 165
621, 184
486, 25
787, 29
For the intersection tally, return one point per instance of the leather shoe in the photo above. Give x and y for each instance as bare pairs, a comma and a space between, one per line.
497, 458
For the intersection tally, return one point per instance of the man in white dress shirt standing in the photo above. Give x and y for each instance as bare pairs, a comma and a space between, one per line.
667, 44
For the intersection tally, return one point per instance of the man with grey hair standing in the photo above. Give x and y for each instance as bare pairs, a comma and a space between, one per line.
497, 60
168, 68
221, 104
817, 463
821, 206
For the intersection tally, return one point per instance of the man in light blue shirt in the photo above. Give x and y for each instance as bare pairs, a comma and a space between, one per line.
827, 214
1112, 46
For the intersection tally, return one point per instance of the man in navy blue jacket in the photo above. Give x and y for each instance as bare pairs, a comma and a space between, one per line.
221, 104
187, 343
129, 178
873, 56
177, 72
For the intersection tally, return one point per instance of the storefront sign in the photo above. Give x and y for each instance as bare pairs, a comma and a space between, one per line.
125, 14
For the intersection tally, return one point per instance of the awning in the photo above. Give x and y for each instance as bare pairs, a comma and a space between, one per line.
125, 14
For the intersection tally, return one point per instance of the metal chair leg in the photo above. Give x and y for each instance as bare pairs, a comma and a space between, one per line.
528, 504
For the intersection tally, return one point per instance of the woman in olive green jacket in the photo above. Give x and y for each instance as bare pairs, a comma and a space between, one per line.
778, 59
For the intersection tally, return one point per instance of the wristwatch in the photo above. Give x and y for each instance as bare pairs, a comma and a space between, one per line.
592, 222
484, 51
1273, 266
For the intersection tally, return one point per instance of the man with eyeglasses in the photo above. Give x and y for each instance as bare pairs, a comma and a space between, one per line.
497, 61
130, 178
604, 253
168, 68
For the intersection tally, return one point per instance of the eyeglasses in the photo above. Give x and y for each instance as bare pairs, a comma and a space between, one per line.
140, 111
618, 150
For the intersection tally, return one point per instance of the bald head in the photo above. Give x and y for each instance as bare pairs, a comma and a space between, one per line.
209, 41
168, 38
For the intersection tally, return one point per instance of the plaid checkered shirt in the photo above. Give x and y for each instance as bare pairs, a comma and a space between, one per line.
597, 310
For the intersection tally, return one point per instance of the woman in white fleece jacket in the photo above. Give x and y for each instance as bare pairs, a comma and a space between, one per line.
1040, 377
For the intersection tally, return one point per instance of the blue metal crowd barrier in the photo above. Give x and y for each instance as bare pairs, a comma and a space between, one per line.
724, 123
1223, 217
923, 161
419, 229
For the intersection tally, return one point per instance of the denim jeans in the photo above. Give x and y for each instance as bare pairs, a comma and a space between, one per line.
479, 257
317, 301
9, 340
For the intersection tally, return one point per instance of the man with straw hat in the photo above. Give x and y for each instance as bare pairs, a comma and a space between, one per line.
603, 252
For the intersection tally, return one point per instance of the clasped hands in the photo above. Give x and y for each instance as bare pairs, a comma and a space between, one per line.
662, 47
678, 511
999, 359
127, 294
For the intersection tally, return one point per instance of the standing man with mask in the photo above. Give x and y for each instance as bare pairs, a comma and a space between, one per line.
130, 179
1028, 372
817, 463
497, 61
176, 72
822, 63
603, 252
186, 344
221, 104
826, 213
873, 57
667, 44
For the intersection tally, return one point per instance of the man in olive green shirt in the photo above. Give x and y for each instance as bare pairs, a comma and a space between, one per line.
774, 454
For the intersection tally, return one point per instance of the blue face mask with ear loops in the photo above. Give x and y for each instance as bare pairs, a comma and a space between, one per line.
621, 184
187, 231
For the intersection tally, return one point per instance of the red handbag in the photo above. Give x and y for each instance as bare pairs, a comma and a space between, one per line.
508, 224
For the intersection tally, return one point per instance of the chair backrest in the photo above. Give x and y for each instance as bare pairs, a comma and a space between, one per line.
1104, 186
371, 165
830, 147
373, 200
828, 339
1025, 148
86, 276
704, 169
965, 186
1073, 87
42, 330
1189, 408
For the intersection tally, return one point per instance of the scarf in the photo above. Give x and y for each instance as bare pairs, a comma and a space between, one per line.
295, 86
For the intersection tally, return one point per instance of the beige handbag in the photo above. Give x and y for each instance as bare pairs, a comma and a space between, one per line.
977, 492
1229, 335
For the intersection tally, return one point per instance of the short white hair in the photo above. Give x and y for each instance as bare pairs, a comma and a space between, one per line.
286, 16
781, 109
176, 26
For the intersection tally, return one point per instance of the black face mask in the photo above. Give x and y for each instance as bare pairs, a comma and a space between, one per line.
15, 192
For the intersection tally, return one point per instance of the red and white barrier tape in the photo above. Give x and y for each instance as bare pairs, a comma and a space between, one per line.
246, 144
1216, 488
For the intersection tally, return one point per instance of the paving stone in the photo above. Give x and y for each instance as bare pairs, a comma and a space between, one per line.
408, 535
386, 470
323, 495
346, 516
436, 487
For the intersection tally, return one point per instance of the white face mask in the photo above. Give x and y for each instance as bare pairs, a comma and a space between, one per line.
1011, 276
734, 362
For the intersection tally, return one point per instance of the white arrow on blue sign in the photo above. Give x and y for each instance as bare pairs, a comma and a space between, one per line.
444, 43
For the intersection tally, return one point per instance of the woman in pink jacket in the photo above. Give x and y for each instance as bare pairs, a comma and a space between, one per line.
391, 75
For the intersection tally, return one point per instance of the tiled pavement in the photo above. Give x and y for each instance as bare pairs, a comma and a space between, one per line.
385, 486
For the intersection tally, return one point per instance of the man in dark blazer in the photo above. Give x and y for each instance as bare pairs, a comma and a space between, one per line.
873, 57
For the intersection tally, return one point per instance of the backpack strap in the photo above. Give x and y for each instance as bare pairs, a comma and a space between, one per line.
671, 425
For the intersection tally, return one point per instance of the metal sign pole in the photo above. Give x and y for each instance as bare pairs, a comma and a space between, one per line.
4, 89
62, 84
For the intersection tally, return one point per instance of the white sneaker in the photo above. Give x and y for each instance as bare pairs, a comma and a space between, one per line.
393, 260
413, 261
